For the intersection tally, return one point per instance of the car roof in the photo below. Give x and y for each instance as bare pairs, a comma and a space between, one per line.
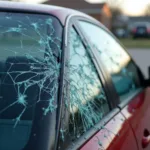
60, 12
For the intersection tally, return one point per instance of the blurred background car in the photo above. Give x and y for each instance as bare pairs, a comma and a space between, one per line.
141, 30
121, 33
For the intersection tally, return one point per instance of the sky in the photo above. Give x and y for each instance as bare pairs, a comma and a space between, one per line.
134, 7
31, 1
129, 7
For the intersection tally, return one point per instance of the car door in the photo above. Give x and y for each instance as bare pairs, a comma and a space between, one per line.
126, 78
89, 120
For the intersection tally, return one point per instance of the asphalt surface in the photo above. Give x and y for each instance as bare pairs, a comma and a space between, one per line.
142, 59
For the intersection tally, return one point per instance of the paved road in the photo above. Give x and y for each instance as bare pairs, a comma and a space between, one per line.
142, 58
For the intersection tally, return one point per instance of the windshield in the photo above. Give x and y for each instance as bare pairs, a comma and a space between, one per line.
29, 70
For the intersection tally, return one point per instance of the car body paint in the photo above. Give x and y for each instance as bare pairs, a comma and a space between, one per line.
116, 135
137, 112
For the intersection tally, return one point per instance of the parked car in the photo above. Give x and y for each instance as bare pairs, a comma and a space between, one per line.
141, 30
121, 33
67, 83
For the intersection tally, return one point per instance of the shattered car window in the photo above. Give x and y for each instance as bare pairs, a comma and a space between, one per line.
86, 101
29, 70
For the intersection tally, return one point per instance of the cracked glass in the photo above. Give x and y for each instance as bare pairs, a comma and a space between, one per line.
85, 100
29, 72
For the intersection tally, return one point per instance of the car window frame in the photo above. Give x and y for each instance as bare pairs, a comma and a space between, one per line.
113, 97
111, 87
71, 22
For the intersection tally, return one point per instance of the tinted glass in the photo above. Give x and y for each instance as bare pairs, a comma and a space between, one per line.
86, 101
118, 63
28, 74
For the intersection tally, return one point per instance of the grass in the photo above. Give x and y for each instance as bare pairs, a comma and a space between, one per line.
127, 42
17, 41
136, 43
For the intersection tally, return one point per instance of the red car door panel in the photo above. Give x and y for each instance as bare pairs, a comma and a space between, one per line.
137, 112
116, 135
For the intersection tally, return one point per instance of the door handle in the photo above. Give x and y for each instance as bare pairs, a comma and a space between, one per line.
145, 139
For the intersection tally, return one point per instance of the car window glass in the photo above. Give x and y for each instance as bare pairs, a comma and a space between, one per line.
86, 101
118, 63
29, 74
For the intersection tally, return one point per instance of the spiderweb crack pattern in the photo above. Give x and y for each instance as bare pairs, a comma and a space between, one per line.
34, 51
87, 100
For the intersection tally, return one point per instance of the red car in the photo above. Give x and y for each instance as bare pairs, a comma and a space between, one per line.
67, 83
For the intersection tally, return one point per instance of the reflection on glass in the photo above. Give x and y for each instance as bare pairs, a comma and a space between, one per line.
88, 102
117, 62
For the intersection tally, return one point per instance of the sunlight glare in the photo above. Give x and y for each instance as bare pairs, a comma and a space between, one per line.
134, 7
96, 1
